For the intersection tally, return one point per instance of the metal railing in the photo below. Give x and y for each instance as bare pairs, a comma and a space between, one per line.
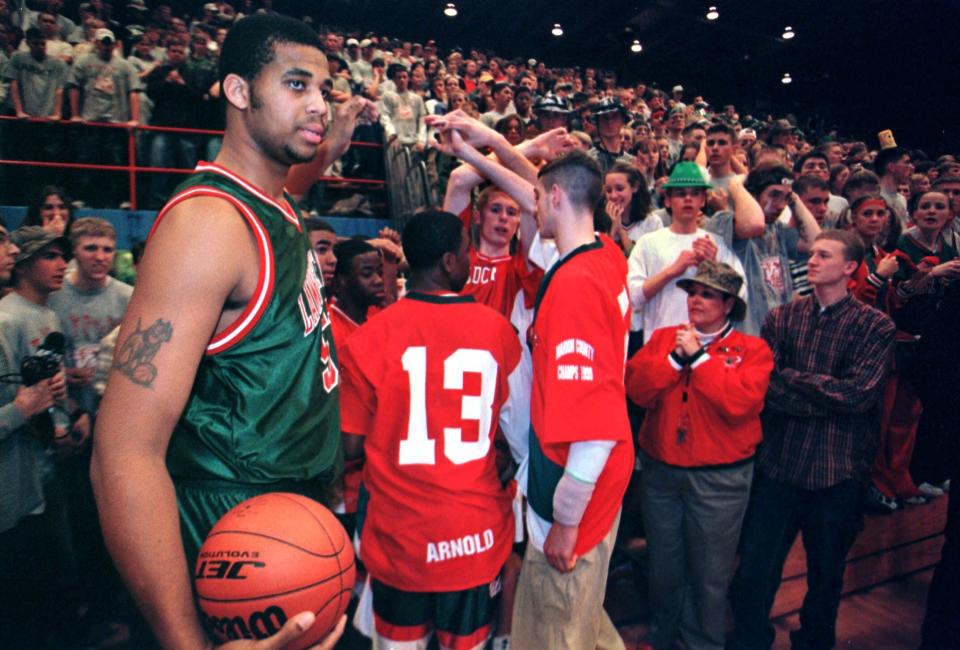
408, 187
132, 168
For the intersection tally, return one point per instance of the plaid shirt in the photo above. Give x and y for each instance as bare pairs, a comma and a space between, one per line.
820, 424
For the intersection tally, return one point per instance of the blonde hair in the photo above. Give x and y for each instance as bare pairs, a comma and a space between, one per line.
91, 227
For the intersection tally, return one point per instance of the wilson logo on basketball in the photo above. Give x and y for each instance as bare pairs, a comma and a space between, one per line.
224, 569
269, 558
259, 625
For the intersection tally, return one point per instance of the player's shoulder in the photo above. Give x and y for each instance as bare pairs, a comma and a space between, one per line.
490, 318
201, 237
592, 285
451, 308
218, 211
450, 320
600, 264
209, 226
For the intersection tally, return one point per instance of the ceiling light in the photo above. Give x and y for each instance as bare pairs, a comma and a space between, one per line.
557, 30
450, 10
788, 33
787, 79
636, 48
712, 13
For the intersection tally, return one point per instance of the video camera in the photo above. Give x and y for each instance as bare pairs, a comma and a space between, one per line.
46, 362
38, 367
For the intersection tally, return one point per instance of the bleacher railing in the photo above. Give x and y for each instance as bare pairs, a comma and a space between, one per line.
408, 189
132, 168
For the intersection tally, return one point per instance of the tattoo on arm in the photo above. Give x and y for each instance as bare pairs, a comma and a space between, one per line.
134, 358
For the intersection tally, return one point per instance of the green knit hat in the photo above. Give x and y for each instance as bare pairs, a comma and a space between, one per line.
686, 174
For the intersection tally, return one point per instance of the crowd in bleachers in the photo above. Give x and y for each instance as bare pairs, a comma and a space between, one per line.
760, 194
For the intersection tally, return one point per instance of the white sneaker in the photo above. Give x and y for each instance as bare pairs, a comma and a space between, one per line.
929, 490
878, 502
501, 643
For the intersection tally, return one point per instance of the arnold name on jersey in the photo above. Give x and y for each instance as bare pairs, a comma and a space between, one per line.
472, 544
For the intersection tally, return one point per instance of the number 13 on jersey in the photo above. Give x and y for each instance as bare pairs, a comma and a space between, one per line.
418, 448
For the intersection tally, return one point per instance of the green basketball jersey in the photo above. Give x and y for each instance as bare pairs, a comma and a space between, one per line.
265, 403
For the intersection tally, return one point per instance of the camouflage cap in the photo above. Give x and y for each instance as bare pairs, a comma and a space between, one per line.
33, 239
721, 277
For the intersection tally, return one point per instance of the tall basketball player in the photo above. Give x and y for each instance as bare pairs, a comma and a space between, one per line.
225, 383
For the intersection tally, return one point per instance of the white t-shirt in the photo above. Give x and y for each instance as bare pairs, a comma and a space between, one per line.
635, 232
836, 206
654, 252
647, 225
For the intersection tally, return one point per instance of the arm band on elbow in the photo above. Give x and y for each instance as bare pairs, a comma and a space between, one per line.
570, 500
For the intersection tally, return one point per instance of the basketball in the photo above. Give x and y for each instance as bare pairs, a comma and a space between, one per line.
268, 559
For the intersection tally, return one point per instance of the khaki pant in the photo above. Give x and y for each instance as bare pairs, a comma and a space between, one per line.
564, 611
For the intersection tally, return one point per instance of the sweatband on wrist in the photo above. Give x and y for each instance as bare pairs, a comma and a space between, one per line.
570, 500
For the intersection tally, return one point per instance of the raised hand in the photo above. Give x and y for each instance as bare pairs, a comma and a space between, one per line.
553, 144
472, 131
614, 211
717, 199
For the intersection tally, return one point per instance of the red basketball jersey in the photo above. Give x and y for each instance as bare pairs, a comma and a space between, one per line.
343, 328
578, 342
496, 281
424, 382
